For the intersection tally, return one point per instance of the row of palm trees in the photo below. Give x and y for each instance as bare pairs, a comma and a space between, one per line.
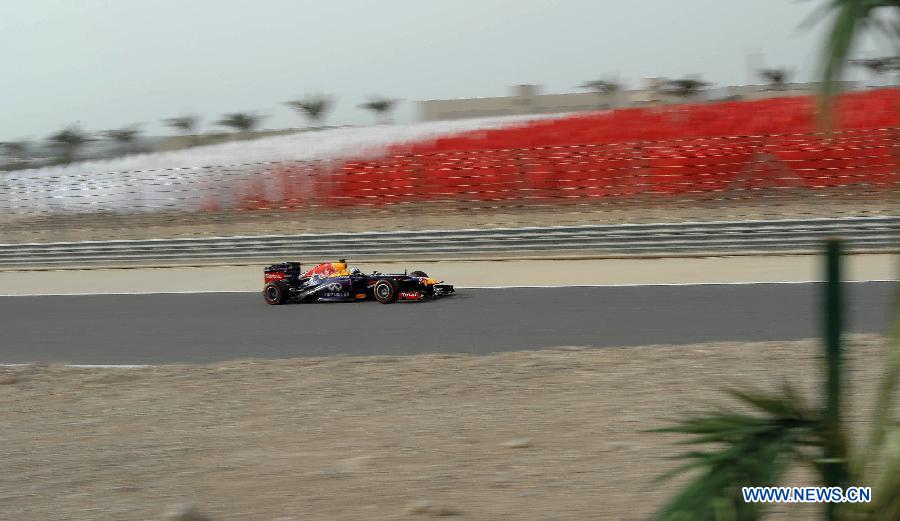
68, 142
776, 78
312, 107
687, 87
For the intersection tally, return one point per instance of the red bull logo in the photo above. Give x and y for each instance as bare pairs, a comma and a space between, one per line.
328, 269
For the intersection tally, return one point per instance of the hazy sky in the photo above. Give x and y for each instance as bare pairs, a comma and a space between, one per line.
108, 63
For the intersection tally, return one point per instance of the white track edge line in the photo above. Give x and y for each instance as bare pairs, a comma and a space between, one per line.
548, 286
121, 293
674, 284
87, 366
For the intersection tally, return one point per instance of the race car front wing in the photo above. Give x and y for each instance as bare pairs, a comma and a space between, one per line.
443, 289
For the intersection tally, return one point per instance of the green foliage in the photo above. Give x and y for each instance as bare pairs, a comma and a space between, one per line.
71, 136
602, 86
68, 141
183, 124
777, 78
750, 449
849, 19
380, 106
124, 135
757, 448
684, 88
879, 66
240, 121
313, 107
16, 149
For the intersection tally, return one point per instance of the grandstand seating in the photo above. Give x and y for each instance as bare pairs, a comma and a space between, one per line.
668, 150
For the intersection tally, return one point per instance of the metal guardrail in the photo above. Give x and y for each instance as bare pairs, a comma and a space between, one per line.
862, 234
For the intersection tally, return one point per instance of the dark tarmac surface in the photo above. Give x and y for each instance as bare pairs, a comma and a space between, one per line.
202, 328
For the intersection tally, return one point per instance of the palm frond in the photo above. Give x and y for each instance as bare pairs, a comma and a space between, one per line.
748, 449
122, 135
884, 405
16, 148
379, 105
850, 17
313, 107
684, 87
240, 121
760, 458
71, 136
183, 124
882, 448
602, 86
886, 504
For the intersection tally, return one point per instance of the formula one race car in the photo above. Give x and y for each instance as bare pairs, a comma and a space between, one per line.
334, 282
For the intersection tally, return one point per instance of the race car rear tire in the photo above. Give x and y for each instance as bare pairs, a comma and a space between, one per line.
275, 293
386, 291
419, 274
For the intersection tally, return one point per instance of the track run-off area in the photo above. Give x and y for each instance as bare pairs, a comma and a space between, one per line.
209, 327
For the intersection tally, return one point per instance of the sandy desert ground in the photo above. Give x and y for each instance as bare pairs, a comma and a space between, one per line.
544, 435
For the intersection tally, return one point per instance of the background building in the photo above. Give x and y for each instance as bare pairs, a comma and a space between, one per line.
528, 99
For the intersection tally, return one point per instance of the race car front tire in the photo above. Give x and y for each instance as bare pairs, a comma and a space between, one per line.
386, 291
275, 293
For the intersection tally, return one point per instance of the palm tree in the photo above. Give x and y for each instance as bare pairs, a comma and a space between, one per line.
313, 107
877, 67
849, 19
776, 78
69, 140
381, 107
124, 137
784, 430
184, 125
604, 88
16, 149
684, 88
240, 121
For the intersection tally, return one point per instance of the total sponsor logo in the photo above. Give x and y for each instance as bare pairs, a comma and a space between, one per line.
410, 295
332, 294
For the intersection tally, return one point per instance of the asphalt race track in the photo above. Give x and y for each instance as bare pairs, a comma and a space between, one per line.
208, 327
